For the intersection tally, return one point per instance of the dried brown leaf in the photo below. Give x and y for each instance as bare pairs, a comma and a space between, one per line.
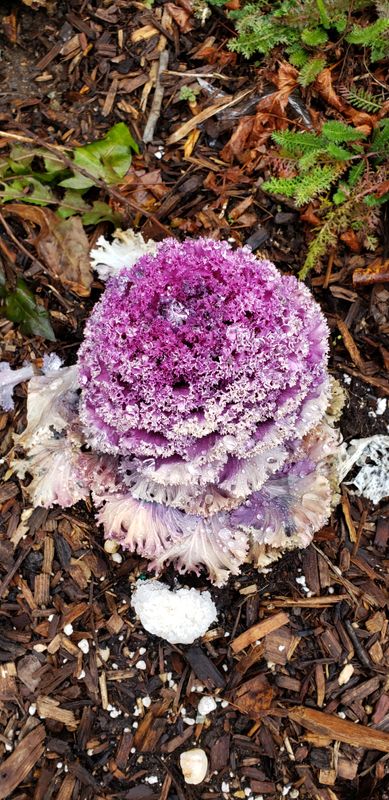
61, 243
253, 697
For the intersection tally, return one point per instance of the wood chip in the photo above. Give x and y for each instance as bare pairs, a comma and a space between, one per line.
340, 729
259, 630
16, 768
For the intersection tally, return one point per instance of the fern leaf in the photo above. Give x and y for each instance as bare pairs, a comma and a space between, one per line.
316, 182
338, 132
314, 37
297, 55
375, 36
310, 70
381, 137
360, 98
310, 159
283, 186
338, 153
258, 33
296, 143
356, 173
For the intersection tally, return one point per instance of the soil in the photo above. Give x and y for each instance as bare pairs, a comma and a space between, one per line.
71, 714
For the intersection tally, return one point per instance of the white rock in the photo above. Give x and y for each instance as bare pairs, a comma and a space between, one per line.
194, 765
345, 675
83, 644
206, 705
141, 664
110, 546
68, 629
179, 616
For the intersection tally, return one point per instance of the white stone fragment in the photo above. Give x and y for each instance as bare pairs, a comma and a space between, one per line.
345, 675
83, 644
110, 546
194, 765
179, 616
141, 664
206, 705
68, 629
32, 709
117, 558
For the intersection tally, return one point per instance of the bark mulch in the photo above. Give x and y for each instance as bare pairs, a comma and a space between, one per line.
91, 706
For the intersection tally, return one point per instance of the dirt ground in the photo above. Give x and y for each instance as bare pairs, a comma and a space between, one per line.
75, 664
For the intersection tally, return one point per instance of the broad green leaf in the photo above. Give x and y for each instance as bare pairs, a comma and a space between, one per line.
101, 212
108, 159
20, 306
52, 162
72, 203
20, 159
27, 190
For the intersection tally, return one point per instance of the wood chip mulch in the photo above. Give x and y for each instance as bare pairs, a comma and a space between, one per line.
91, 706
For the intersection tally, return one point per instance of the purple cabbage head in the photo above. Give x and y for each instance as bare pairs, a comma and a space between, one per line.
203, 370
204, 387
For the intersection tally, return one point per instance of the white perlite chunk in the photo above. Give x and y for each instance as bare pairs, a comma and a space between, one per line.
194, 765
206, 705
372, 455
179, 616
108, 258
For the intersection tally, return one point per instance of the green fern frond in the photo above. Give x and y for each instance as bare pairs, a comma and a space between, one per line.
356, 172
257, 33
296, 143
338, 132
311, 70
338, 153
381, 138
310, 159
283, 186
297, 55
375, 36
314, 37
362, 99
316, 182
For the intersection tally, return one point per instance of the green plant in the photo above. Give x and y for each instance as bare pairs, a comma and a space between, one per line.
19, 305
339, 164
38, 176
304, 26
189, 93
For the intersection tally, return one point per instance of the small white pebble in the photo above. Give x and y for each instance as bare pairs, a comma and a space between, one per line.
345, 675
90, 751
68, 629
83, 644
381, 405
117, 558
133, 750
110, 546
142, 651
135, 724
32, 709
281, 647
59, 764
151, 779
341, 714
294, 794
225, 787
50, 617
194, 765
331, 590
206, 705
247, 792
8, 747
146, 701
286, 789
224, 704
81, 675
189, 721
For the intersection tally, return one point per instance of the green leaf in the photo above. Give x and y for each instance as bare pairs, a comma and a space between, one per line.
339, 153
107, 159
314, 37
311, 70
27, 190
339, 197
72, 203
356, 173
52, 162
101, 212
20, 306
20, 159
338, 132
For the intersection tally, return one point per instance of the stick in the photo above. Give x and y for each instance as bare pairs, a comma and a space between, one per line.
155, 111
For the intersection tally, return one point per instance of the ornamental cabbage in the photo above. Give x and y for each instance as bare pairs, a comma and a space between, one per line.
200, 426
